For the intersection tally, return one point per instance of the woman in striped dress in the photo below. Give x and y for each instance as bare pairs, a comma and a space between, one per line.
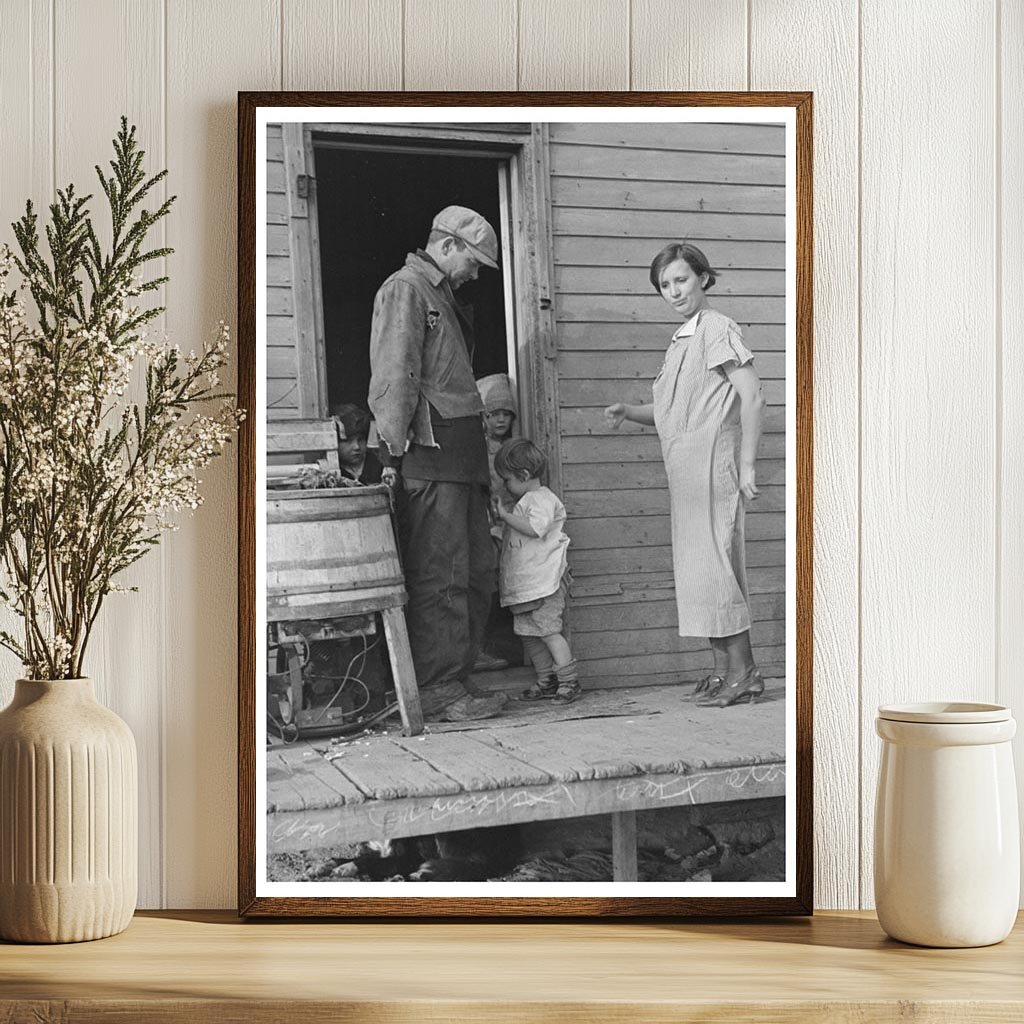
707, 408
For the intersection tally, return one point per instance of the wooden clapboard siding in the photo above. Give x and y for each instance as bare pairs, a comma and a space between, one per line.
671, 668
277, 208
616, 532
625, 643
651, 501
758, 309
619, 192
656, 611
658, 558
590, 337
612, 587
585, 251
709, 138
658, 164
612, 281
583, 477
641, 447
603, 391
293, 362
282, 361
624, 365
584, 421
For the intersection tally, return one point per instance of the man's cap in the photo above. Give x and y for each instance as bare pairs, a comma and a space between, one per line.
468, 226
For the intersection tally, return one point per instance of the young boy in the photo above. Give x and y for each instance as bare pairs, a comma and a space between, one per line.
533, 573
358, 464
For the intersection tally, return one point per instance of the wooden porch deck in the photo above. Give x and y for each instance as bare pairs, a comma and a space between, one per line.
612, 752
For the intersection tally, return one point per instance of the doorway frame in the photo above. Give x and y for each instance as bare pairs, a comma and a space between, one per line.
525, 148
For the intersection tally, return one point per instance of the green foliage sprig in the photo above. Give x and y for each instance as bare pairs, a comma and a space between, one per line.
89, 478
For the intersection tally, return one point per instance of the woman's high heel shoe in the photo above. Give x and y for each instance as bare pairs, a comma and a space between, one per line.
744, 690
707, 687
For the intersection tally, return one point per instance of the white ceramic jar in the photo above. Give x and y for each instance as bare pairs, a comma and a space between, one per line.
947, 847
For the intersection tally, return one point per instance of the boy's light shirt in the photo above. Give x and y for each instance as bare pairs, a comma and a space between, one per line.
531, 567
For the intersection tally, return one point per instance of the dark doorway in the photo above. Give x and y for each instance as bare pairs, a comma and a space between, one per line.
374, 207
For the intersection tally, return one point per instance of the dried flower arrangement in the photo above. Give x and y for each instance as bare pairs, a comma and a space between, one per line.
89, 477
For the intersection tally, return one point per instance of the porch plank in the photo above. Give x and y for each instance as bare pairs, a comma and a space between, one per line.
579, 750
299, 778
474, 760
385, 770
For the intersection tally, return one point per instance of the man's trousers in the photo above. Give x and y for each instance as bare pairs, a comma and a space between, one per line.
450, 574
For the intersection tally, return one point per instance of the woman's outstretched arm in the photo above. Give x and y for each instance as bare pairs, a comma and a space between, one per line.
748, 385
615, 414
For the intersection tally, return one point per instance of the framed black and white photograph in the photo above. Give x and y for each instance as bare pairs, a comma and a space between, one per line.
525, 504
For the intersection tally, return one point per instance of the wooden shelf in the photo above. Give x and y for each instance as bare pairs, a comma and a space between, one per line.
209, 967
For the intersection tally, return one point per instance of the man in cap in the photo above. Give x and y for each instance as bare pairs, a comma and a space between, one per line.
427, 408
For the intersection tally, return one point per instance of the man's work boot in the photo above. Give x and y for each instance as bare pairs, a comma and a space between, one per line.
471, 709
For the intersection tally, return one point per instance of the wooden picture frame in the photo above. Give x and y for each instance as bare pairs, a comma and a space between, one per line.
541, 303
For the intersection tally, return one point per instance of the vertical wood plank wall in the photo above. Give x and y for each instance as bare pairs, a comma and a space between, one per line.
919, 420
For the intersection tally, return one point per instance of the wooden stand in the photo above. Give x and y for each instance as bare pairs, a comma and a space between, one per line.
333, 552
406, 689
206, 967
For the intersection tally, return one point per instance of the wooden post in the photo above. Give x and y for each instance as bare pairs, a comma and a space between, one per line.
406, 688
294, 685
624, 846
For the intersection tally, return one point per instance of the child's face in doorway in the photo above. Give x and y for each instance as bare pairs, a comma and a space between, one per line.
499, 423
352, 451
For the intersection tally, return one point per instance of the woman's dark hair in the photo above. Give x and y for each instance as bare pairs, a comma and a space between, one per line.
517, 455
682, 251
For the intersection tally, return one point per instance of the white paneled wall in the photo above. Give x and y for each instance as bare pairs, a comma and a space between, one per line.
919, 325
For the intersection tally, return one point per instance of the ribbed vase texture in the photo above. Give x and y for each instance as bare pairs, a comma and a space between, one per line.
68, 815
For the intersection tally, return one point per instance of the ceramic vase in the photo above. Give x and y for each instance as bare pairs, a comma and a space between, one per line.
68, 815
947, 847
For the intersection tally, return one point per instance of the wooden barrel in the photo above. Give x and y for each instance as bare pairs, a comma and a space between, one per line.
331, 553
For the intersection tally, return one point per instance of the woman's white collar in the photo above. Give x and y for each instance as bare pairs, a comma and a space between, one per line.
689, 328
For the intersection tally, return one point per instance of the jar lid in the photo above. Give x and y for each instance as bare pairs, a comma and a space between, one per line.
945, 713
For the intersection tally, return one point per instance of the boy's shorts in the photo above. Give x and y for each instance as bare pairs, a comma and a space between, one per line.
543, 617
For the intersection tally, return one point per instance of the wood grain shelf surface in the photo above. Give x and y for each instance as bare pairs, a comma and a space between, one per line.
204, 967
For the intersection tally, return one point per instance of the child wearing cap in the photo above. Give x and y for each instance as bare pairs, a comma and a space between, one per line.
357, 463
499, 419
500, 414
533, 572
